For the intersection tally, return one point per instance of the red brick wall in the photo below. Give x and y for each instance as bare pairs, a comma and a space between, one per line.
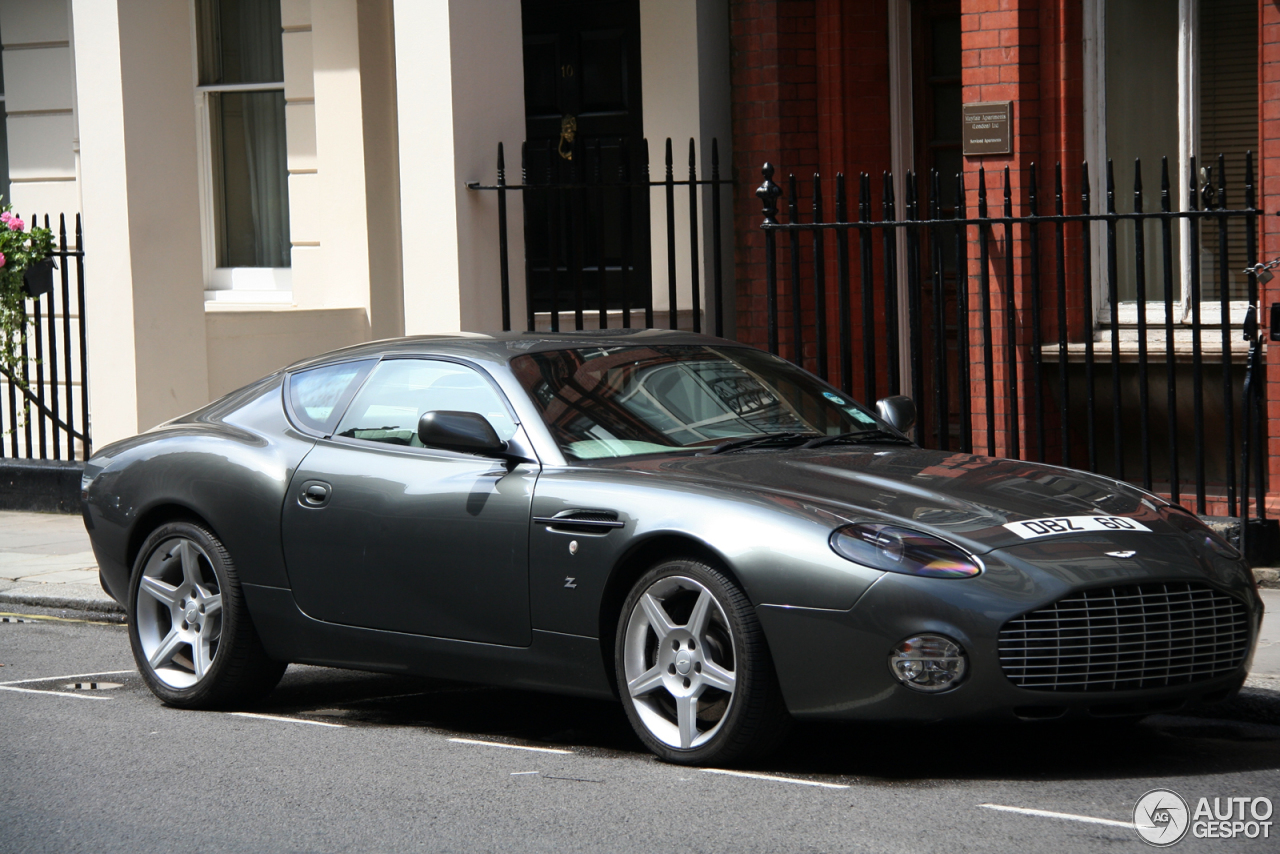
810, 94
1000, 40
775, 119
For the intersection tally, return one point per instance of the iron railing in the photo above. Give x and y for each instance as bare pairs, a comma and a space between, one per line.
589, 217
1000, 346
47, 413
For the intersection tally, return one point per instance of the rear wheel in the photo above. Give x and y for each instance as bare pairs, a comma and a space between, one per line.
191, 634
693, 669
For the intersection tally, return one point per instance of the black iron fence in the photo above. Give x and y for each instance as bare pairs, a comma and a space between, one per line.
990, 319
44, 410
587, 231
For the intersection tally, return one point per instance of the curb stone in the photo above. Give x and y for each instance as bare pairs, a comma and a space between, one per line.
80, 597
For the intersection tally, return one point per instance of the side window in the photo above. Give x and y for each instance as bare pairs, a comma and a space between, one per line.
389, 405
318, 396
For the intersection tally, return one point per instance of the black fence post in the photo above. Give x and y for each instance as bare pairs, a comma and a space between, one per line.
694, 257
717, 261
1037, 357
962, 318
1171, 384
1140, 285
1060, 259
819, 283
672, 301
793, 217
502, 241
768, 193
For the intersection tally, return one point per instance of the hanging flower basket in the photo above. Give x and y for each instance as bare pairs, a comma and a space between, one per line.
37, 279
26, 272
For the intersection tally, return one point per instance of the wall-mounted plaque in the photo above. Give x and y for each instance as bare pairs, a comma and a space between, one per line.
988, 127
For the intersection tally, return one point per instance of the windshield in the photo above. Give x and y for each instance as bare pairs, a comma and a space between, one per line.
602, 402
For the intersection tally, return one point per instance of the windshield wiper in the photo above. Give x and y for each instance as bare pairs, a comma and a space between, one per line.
859, 437
753, 441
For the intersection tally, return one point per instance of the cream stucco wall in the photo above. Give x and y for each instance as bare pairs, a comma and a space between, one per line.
39, 105
460, 91
684, 62
137, 122
245, 345
391, 107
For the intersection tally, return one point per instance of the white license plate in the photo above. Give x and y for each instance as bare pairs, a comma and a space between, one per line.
1058, 525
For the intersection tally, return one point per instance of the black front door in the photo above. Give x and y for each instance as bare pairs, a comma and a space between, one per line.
587, 241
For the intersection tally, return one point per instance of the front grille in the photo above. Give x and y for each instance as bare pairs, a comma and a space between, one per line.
1126, 638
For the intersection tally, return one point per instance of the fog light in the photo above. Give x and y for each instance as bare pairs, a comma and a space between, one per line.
929, 663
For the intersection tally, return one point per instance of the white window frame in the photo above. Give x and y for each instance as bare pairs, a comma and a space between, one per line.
1095, 130
257, 287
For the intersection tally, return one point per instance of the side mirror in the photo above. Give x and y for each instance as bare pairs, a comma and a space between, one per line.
899, 411
468, 432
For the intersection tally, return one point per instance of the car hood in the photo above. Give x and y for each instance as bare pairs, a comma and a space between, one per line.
965, 497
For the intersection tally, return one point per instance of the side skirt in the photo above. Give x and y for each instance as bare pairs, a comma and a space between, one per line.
553, 662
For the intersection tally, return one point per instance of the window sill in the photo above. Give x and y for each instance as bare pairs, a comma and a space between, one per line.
249, 288
1183, 352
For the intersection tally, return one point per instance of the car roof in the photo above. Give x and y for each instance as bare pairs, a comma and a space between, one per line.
501, 347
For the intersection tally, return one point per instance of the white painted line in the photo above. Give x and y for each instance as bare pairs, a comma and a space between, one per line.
775, 779
53, 693
509, 746
521, 773
285, 720
1088, 819
72, 676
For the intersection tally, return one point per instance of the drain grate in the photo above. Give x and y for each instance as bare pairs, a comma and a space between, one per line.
91, 686
14, 620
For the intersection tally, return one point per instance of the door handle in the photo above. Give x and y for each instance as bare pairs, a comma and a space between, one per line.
315, 493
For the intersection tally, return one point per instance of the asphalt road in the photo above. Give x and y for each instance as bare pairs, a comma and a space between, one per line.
345, 761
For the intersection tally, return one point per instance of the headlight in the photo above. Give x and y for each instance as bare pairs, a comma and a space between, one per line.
1190, 524
929, 663
894, 549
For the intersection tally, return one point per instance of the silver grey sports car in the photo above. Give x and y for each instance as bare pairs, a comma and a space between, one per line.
703, 530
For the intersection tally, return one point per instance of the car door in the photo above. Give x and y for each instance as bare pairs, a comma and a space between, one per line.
380, 532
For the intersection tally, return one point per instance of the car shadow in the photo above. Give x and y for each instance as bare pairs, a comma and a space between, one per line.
1242, 735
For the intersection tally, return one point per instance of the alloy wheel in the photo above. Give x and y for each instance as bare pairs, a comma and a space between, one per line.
179, 613
679, 662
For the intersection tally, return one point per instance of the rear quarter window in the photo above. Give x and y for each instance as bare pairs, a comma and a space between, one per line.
318, 396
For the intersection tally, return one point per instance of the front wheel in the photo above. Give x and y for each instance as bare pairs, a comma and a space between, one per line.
693, 668
190, 631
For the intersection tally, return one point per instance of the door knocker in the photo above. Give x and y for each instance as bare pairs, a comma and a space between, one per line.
568, 128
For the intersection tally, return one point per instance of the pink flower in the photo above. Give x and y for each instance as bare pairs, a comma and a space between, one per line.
5, 217
1, 259
16, 224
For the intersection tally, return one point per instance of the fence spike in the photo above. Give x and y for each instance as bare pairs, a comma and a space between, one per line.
1032, 200
1137, 185
768, 193
1164, 184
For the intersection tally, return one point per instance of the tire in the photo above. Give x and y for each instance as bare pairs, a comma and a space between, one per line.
190, 631
694, 671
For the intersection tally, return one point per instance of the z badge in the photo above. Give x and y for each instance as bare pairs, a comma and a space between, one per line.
1033, 528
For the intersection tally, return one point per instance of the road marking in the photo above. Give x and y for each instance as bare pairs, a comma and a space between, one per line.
775, 779
286, 720
53, 693
509, 746
521, 773
72, 676
1063, 815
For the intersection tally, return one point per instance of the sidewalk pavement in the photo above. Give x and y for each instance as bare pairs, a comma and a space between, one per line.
46, 561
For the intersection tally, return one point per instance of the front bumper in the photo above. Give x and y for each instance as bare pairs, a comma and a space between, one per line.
834, 664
